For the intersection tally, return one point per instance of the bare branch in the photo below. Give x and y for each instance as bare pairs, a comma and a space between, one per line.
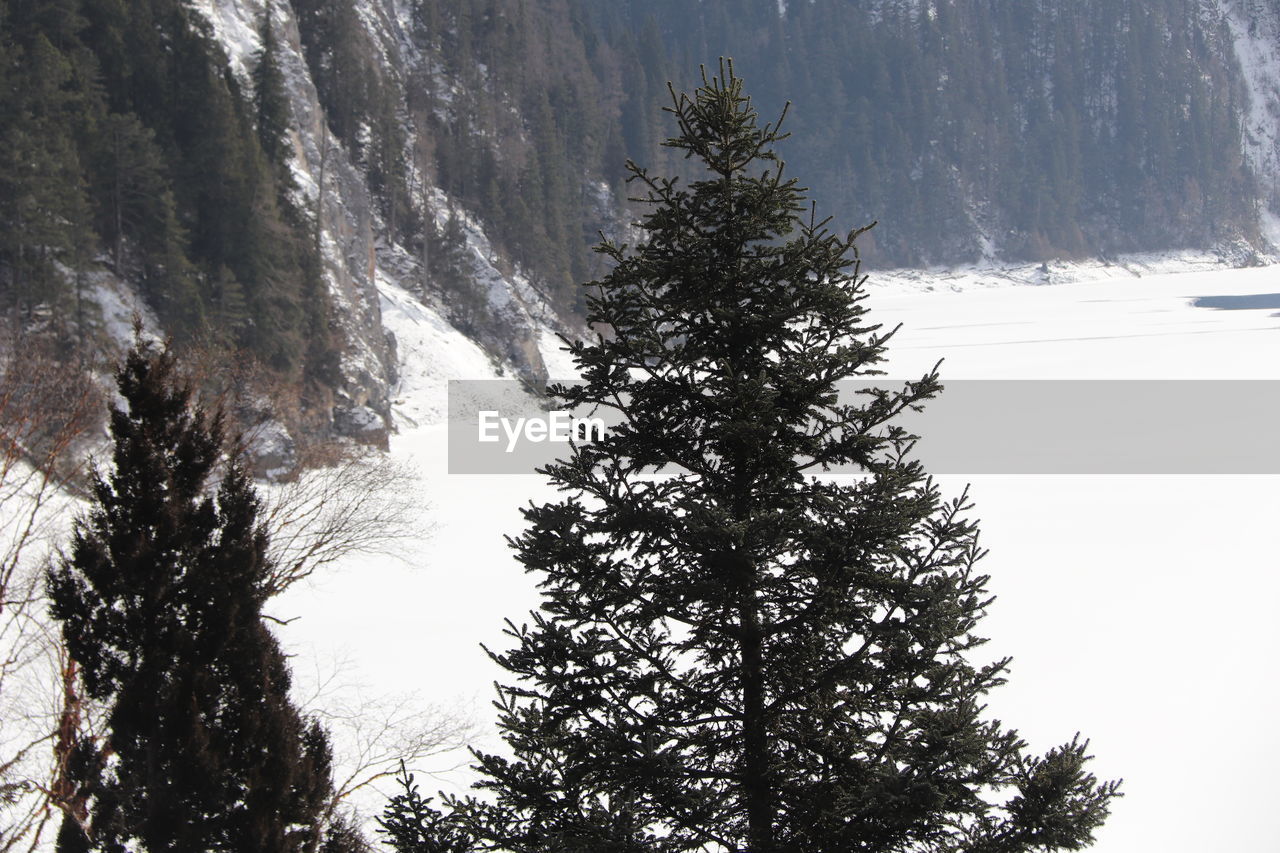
373, 732
360, 504
50, 413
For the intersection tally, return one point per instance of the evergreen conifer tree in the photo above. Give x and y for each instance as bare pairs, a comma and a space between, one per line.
271, 104
160, 601
741, 655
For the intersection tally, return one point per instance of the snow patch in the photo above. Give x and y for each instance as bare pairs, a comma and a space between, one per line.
121, 307
560, 365
980, 276
235, 26
431, 353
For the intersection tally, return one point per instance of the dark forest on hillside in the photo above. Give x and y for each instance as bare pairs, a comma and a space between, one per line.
126, 140
1049, 128
1054, 128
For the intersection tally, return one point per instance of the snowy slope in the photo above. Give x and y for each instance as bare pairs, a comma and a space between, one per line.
358, 262
432, 352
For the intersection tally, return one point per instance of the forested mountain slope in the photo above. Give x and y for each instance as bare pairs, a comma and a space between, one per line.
254, 168
982, 127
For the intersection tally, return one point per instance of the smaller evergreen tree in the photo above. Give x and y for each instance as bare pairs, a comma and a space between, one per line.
448, 265
160, 601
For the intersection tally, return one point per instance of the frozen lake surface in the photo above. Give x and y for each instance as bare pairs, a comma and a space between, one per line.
1139, 611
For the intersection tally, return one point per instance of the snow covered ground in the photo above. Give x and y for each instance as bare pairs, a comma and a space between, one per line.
1140, 610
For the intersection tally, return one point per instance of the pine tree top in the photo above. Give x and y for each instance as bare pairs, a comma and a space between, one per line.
737, 290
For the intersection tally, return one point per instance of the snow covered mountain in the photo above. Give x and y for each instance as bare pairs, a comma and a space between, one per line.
286, 159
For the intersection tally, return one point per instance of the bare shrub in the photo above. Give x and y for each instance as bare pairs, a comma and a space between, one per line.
375, 734
50, 411
359, 503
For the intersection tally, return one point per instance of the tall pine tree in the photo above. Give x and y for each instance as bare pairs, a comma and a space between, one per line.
743, 655
160, 601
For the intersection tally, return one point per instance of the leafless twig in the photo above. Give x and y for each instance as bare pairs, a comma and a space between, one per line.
361, 504
49, 409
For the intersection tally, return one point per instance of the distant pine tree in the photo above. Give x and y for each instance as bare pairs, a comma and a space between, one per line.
737, 655
271, 103
449, 267
45, 217
160, 601
227, 307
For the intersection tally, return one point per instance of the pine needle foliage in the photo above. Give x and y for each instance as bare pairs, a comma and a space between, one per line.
739, 654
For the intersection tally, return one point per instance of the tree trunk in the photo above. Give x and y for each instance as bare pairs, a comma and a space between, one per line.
756, 785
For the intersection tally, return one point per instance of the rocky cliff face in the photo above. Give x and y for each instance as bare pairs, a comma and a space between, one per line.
330, 184
1255, 32
356, 253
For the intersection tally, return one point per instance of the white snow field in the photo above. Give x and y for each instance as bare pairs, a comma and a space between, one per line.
1141, 611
